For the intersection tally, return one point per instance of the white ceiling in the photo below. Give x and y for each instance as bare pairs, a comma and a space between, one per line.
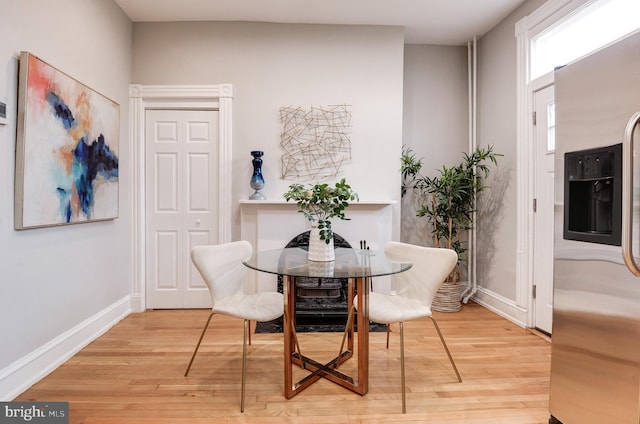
444, 22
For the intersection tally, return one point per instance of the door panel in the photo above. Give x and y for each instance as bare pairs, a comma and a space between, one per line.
181, 153
165, 187
166, 270
198, 172
195, 281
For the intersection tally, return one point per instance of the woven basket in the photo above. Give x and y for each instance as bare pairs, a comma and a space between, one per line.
447, 298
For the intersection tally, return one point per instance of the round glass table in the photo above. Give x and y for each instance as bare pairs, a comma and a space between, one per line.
358, 267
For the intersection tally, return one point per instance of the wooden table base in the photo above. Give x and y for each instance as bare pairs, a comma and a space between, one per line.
317, 370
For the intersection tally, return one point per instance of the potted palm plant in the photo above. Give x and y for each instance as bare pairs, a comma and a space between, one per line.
320, 203
448, 203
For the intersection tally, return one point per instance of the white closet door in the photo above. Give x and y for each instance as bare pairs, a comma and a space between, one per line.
181, 203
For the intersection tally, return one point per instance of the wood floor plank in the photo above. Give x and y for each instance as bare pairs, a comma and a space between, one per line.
134, 374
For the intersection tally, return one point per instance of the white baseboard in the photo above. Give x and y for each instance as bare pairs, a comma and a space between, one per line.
502, 306
28, 370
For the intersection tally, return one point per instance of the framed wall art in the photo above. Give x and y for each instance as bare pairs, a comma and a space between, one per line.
66, 149
316, 141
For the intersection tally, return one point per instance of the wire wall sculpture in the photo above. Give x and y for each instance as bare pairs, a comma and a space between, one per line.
316, 142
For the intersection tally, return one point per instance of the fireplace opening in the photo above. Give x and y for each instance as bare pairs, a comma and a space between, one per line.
321, 303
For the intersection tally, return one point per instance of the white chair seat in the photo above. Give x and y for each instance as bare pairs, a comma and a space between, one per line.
387, 309
259, 307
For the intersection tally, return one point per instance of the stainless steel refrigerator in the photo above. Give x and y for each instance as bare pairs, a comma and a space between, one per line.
595, 351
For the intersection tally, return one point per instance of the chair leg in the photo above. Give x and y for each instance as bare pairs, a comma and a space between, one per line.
198, 345
244, 361
388, 331
404, 402
249, 333
453, 364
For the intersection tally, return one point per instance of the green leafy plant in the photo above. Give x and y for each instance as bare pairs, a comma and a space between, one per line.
321, 202
449, 198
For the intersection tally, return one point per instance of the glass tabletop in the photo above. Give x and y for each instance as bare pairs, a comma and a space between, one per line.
349, 263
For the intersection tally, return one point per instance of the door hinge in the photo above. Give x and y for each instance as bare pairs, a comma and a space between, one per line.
535, 205
533, 291
534, 117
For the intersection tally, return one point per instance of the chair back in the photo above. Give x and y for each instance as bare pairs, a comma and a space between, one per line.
221, 267
431, 266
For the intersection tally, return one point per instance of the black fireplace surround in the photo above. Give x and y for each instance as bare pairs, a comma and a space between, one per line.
321, 303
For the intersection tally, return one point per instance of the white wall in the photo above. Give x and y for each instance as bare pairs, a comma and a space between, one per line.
275, 65
497, 126
435, 121
54, 279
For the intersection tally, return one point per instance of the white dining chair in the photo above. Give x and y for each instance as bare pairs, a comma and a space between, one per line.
413, 293
224, 274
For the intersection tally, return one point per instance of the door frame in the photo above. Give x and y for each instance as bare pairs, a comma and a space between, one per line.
198, 97
521, 310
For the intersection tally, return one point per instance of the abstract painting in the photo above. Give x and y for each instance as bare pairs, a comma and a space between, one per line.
316, 142
66, 151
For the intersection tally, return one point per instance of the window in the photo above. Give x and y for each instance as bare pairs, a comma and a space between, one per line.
551, 127
596, 25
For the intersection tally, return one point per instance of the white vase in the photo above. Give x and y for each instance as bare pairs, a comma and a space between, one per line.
322, 269
320, 250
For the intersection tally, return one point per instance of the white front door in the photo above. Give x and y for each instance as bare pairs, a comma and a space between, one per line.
181, 203
544, 148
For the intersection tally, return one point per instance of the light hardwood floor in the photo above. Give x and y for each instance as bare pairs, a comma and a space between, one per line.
134, 374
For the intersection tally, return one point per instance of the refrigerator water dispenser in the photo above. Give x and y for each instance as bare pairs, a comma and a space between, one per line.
593, 195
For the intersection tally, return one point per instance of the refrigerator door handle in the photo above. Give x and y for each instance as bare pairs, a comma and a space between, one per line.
627, 195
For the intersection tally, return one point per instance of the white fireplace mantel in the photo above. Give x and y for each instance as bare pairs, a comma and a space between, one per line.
271, 224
